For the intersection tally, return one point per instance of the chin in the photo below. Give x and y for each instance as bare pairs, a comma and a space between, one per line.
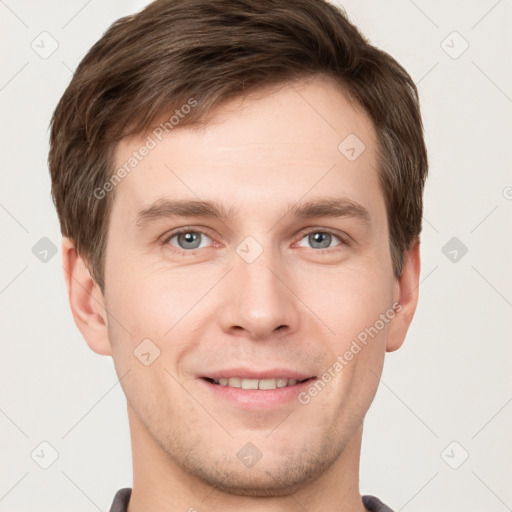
282, 477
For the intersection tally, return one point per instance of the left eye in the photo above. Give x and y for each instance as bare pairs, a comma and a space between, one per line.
321, 239
188, 240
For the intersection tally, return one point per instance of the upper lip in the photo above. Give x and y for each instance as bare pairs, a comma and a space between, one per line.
246, 373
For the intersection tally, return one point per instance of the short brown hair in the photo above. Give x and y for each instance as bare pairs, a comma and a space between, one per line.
154, 61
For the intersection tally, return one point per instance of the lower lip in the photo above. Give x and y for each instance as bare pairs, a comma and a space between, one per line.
257, 398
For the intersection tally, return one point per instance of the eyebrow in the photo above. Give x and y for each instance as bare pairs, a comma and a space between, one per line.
324, 207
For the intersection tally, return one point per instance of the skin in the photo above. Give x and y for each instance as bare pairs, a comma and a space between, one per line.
209, 309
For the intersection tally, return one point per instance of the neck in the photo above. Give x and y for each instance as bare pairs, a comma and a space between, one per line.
160, 484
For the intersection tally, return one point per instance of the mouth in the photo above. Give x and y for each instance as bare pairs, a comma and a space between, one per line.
256, 384
256, 391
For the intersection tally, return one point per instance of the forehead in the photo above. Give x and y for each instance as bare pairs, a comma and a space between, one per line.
279, 144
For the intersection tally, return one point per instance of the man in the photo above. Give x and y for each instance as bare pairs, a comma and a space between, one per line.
239, 186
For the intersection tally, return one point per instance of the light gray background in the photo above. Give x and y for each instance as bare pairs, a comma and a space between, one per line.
451, 381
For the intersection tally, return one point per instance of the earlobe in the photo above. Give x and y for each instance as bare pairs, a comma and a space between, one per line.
406, 297
86, 300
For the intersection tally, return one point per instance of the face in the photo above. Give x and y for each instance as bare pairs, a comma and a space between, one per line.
273, 281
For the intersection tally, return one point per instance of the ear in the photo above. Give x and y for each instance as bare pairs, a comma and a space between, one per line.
405, 297
86, 300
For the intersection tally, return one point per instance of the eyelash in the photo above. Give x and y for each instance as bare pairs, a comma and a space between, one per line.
343, 240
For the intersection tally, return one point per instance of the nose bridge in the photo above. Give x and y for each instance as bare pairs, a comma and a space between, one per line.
257, 300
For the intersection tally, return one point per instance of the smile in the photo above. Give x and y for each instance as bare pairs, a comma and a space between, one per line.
264, 384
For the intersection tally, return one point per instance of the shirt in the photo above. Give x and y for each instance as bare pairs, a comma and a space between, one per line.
122, 497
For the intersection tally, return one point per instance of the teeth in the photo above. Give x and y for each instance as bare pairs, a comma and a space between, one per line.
248, 383
267, 384
234, 382
237, 382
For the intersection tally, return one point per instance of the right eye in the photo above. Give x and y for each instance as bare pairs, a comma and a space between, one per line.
187, 239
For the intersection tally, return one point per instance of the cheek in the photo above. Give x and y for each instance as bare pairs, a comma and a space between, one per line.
350, 302
346, 299
151, 299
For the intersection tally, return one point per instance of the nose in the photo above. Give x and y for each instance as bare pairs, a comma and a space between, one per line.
258, 299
